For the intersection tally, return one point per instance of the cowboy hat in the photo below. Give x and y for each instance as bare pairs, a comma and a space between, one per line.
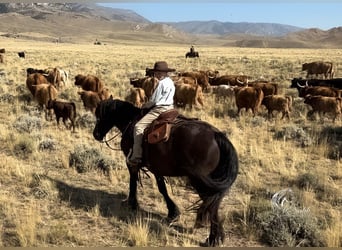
162, 67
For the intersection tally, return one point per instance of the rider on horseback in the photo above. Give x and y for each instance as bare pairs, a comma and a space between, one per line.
160, 101
192, 49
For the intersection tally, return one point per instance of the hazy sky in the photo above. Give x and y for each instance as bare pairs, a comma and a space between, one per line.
305, 14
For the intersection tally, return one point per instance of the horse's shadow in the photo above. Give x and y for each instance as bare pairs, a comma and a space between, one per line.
88, 199
108, 204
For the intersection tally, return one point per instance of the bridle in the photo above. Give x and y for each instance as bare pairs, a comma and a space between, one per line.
107, 141
116, 135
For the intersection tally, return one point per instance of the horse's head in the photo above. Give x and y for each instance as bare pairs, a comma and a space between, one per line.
103, 121
113, 112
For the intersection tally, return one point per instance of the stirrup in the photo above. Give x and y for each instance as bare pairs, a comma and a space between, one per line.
132, 162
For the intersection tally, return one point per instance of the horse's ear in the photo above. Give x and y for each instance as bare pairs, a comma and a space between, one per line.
111, 97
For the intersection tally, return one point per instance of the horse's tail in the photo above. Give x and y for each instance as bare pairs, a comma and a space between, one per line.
212, 188
221, 179
227, 169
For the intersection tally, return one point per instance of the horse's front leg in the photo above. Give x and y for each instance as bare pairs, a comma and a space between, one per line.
174, 212
132, 196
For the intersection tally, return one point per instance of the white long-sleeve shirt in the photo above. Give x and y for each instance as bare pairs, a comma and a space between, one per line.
163, 94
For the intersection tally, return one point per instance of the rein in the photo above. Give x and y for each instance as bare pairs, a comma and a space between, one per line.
116, 135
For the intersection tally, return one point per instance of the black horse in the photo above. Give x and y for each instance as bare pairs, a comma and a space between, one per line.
191, 54
195, 149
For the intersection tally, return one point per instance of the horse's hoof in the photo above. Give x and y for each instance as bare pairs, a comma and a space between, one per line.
209, 243
212, 242
170, 221
199, 225
173, 216
131, 204
205, 243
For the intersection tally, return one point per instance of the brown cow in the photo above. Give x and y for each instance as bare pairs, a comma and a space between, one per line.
232, 80
65, 110
324, 104
35, 79
89, 83
201, 77
137, 97
184, 80
317, 68
148, 84
42, 94
91, 99
248, 98
54, 77
104, 94
268, 88
279, 103
138, 82
186, 94
319, 90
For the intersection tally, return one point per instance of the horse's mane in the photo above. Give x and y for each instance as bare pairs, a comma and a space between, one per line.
124, 107
127, 112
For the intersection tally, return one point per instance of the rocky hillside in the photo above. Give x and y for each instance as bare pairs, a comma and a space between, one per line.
74, 22
43, 10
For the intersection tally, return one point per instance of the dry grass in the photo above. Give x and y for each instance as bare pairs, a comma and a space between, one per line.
46, 202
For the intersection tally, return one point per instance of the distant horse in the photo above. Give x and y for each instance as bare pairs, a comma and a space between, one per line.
195, 149
191, 54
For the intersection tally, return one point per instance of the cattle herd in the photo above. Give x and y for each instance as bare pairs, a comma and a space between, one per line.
44, 85
323, 95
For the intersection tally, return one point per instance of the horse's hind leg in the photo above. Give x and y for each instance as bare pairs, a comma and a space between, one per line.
171, 206
216, 235
209, 211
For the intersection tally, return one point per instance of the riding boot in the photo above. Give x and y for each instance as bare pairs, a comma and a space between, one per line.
135, 158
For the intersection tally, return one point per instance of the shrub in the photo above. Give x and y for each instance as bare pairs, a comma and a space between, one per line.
7, 98
86, 120
27, 123
24, 146
289, 227
294, 133
307, 180
85, 158
47, 144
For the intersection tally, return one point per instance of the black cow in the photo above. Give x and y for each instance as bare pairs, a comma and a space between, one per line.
21, 54
149, 72
30, 71
299, 83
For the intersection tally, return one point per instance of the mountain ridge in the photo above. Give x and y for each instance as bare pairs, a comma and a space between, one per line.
223, 28
88, 21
